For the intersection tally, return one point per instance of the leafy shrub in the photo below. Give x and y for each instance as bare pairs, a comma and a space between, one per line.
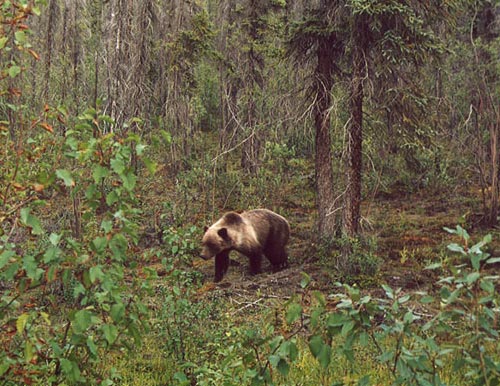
362, 263
61, 338
410, 347
414, 347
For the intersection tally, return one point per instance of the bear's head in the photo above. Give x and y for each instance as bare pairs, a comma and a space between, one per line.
220, 236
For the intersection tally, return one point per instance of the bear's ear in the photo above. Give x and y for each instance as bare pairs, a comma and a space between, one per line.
222, 232
205, 229
232, 218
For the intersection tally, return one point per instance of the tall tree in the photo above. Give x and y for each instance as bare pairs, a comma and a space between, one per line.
365, 38
484, 33
354, 155
314, 39
386, 36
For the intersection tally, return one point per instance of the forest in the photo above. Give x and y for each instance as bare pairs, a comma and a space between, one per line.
129, 126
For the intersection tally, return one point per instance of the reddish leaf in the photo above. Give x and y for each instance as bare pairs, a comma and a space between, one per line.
47, 127
18, 186
15, 91
34, 54
38, 188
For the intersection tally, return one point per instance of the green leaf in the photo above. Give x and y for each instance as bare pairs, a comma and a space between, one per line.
21, 322
82, 321
30, 265
4, 367
389, 292
71, 370
20, 37
347, 327
31, 221
99, 244
434, 266
426, 299
476, 260
289, 349
95, 274
65, 175
139, 149
167, 137
337, 320
117, 312
110, 333
54, 239
274, 360
293, 312
118, 165
181, 378
106, 225
92, 346
29, 351
3, 42
129, 181
404, 298
14, 71
320, 350
52, 253
99, 173
118, 245
112, 197
283, 367
454, 247
472, 277
462, 233
409, 317
5, 257
150, 165
493, 260
306, 279
386, 356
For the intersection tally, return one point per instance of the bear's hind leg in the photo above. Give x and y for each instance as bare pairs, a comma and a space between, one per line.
278, 258
255, 262
221, 265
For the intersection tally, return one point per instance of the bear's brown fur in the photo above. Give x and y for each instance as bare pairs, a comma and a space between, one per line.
252, 233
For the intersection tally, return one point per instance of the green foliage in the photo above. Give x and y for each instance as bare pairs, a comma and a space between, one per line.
409, 346
206, 100
469, 296
59, 336
362, 264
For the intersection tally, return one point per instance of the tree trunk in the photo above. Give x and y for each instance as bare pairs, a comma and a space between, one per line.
352, 202
50, 44
253, 82
493, 214
75, 53
323, 161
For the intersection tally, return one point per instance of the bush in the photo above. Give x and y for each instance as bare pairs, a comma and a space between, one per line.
67, 298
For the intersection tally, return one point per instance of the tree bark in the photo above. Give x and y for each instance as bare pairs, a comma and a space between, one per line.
352, 202
50, 44
253, 81
323, 161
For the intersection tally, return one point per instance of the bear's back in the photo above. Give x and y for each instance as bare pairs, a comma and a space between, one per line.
269, 227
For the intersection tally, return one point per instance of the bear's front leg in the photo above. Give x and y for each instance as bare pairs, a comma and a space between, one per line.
255, 261
221, 265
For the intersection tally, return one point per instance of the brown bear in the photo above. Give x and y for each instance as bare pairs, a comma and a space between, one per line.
252, 233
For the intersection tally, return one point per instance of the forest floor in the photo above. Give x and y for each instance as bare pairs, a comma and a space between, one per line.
409, 233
